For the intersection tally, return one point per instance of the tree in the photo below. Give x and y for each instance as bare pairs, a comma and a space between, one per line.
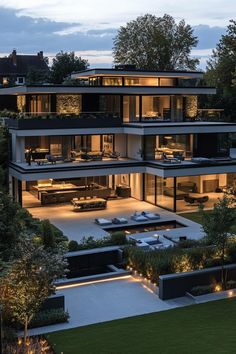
64, 64
4, 151
217, 226
47, 234
36, 76
221, 72
30, 281
155, 43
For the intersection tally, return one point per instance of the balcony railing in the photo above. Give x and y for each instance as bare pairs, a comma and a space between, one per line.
57, 121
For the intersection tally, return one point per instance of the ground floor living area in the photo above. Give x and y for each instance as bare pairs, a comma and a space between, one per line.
176, 194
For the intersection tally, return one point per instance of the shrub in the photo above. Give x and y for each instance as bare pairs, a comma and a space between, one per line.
231, 284
118, 238
202, 290
49, 317
73, 246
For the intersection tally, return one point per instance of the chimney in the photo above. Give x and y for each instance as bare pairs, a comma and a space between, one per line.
14, 57
40, 55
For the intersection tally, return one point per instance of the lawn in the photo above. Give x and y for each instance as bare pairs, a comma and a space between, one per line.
200, 329
196, 216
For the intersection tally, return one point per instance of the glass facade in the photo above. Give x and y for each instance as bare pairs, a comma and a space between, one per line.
112, 81
131, 108
159, 191
155, 107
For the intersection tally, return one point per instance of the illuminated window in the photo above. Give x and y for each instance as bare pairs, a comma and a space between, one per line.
112, 81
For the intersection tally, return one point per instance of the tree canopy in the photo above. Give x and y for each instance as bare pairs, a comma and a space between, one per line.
221, 72
155, 43
64, 64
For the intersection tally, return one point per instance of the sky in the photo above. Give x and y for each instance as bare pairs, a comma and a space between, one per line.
89, 27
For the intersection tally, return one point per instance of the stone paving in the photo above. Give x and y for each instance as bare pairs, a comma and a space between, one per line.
77, 225
109, 300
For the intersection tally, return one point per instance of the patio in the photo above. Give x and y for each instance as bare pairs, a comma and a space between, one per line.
106, 301
76, 225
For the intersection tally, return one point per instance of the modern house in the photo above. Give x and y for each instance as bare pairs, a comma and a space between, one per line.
15, 67
122, 132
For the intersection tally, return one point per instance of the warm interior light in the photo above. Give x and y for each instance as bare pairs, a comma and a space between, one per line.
168, 137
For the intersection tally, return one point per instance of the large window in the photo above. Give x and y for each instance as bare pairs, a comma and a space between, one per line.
174, 145
131, 108
112, 81
155, 107
141, 81
159, 191
40, 104
109, 103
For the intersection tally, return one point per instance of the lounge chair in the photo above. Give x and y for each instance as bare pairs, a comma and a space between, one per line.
119, 221
139, 217
103, 222
151, 216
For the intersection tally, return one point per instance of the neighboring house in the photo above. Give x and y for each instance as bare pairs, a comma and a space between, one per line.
126, 133
15, 67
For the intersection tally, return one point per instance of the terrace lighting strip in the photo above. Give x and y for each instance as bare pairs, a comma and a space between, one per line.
92, 282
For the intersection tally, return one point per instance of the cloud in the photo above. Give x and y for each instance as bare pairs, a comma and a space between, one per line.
114, 13
30, 34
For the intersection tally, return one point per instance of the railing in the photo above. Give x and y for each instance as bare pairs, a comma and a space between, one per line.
54, 120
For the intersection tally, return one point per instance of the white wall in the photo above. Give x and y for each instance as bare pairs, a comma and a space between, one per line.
120, 144
136, 183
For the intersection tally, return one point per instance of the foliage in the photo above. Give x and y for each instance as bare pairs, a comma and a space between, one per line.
49, 317
11, 226
30, 281
152, 264
34, 345
47, 234
217, 227
73, 246
36, 76
221, 72
116, 238
64, 64
4, 157
202, 290
155, 43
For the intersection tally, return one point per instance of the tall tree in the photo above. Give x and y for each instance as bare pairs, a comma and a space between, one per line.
218, 225
64, 64
155, 43
30, 281
221, 72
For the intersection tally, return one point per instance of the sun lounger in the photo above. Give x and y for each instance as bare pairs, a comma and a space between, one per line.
119, 221
103, 222
151, 216
138, 217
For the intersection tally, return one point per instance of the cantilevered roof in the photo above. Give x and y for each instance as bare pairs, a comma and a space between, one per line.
136, 73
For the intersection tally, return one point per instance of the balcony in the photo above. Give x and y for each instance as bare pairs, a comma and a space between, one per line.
63, 121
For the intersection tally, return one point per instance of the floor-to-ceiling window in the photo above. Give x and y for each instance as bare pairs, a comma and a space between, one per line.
131, 108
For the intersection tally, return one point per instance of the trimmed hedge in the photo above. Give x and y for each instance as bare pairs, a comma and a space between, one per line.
152, 264
49, 317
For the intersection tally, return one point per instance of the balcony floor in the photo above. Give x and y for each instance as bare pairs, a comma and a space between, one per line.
76, 163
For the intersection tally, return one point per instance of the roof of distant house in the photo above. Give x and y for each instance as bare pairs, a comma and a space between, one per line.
21, 64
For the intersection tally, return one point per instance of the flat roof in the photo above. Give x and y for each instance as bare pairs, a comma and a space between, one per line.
137, 72
133, 90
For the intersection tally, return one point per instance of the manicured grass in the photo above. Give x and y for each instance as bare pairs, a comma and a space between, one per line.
200, 329
196, 216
